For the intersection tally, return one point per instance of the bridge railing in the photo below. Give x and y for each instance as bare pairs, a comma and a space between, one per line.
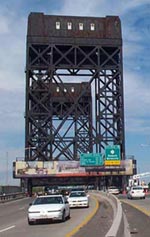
11, 196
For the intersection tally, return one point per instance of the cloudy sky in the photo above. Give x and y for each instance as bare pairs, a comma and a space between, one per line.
135, 19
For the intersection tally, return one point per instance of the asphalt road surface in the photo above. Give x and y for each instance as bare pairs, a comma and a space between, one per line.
100, 223
13, 220
138, 215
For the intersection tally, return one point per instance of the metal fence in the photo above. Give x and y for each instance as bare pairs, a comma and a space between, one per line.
11, 196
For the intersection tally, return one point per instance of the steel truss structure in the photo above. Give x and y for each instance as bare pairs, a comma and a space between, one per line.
74, 87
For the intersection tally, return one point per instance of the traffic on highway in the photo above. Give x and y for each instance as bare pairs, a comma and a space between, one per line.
97, 218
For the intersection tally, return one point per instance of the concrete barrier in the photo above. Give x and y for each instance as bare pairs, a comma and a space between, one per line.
120, 226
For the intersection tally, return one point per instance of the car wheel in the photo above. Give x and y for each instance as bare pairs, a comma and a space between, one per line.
63, 216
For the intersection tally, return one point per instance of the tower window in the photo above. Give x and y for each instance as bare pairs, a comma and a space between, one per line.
57, 89
72, 89
57, 25
69, 26
80, 26
92, 26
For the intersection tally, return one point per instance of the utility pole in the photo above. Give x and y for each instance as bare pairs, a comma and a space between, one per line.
7, 168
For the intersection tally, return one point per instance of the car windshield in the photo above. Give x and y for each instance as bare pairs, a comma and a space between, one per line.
47, 200
77, 194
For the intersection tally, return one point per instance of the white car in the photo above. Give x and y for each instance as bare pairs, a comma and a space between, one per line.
78, 199
113, 190
136, 192
50, 207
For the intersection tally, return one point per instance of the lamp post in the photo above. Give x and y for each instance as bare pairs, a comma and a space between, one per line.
7, 169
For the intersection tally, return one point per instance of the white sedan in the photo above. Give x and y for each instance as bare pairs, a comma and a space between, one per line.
78, 199
50, 207
113, 190
136, 192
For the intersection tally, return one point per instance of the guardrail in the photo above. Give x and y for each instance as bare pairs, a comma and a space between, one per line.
120, 225
11, 196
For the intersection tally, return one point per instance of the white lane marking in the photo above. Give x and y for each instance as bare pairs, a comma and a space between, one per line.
8, 228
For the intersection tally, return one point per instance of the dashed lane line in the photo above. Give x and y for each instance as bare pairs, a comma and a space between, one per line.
8, 228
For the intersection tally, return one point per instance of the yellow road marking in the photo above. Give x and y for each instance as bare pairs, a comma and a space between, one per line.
137, 207
85, 221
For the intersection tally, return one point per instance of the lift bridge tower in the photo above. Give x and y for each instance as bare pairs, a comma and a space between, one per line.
74, 86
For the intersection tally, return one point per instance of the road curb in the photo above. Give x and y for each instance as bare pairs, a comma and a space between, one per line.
120, 226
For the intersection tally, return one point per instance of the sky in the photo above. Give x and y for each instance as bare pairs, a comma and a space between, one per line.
135, 21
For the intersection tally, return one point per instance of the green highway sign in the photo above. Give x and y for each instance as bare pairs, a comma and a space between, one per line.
112, 153
91, 159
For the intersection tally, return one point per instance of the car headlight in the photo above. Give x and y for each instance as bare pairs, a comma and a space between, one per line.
33, 212
59, 210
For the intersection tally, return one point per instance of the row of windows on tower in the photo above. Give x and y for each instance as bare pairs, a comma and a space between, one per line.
65, 90
69, 26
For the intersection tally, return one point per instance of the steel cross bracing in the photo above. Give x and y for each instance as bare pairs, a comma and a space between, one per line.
63, 127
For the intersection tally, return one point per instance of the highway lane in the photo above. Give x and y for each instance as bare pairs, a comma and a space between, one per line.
138, 215
13, 221
141, 204
12, 211
101, 222
137, 212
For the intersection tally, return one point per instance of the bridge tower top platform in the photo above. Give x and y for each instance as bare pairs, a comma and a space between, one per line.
74, 29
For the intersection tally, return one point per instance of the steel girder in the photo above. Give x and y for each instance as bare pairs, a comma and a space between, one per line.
64, 129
